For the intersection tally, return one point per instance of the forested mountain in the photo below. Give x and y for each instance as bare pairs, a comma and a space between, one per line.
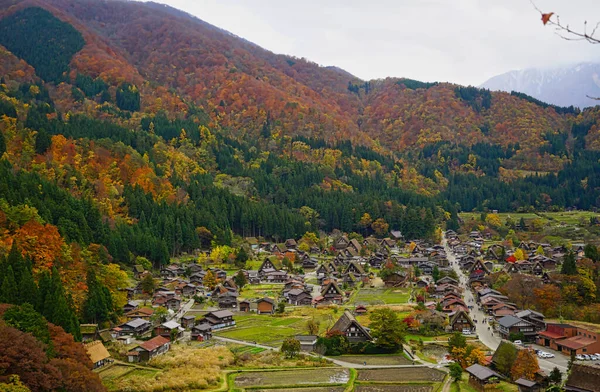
563, 86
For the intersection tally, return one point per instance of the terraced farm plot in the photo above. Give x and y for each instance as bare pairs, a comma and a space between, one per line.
292, 377
264, 329
393, 388
375, 360
313, 389
261, 290
381, 296
401, 374
115, 371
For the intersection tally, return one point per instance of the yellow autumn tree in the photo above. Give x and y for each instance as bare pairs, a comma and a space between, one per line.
520, 255
493, 220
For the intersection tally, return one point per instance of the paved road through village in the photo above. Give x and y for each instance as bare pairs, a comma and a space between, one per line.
487, 336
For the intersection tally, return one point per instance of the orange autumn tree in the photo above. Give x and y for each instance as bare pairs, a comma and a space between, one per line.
525, 366
42, 243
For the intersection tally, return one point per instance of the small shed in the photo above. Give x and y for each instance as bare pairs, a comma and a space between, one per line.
526, 385
308, 343
480, 376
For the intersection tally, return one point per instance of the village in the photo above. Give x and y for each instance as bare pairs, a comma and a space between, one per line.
436, 290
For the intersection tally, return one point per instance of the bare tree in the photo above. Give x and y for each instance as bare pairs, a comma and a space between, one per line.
565, 31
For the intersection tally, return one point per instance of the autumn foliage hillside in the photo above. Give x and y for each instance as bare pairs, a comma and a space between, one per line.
174, 59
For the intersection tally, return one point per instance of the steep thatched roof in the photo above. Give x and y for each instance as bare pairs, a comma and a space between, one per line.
347, 320
96, 351
584, 377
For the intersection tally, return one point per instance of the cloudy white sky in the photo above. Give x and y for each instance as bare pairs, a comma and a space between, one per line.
461, 41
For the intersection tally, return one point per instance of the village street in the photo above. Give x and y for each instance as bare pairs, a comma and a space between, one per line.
485, 333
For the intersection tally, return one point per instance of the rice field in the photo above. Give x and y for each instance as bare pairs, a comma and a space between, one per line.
292, 377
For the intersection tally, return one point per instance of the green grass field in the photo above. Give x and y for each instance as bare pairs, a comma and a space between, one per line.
264, 329
261, 290
381, 296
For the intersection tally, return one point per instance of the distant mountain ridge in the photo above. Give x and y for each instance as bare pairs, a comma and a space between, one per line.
564, 86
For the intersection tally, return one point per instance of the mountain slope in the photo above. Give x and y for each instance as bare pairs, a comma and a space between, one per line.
181, 59
563, 86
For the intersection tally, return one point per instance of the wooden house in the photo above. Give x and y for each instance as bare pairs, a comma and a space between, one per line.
228, 300
461, 321
98, 354
201, 332
138, 270
583, 377
149, 349
188, 322
265, 306
341, 243
308, 343
143, 313
218, 319
244, 306
355, 268
481, 377
332, 293
508, 325
89, 332
291, 244
299, 297
136, 327
348, 325
170, 329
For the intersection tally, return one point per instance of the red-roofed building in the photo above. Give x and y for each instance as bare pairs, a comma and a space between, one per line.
569, 339
149, 349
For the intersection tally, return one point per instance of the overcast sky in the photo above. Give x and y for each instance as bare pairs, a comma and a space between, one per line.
461, 41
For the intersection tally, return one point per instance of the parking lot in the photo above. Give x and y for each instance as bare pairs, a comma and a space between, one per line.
547, 364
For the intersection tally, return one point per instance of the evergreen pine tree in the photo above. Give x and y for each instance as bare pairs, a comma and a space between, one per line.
9, 290
28, 291
569, 266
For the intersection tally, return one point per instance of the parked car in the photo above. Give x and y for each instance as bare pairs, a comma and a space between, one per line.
550, 355
593, 357
579, 357
518, 342
586, 357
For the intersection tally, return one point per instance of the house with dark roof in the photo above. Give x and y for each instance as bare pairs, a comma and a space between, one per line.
149, 349
134, 327
201, 332
508, 325
218, 319
308, 343
535, 318
460, 321
526, 385
341, 243
332, 293
299, 297
355, 268
481, 376
170, 329
228, 300
348, 325
188, 321
584, 377
244, 305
